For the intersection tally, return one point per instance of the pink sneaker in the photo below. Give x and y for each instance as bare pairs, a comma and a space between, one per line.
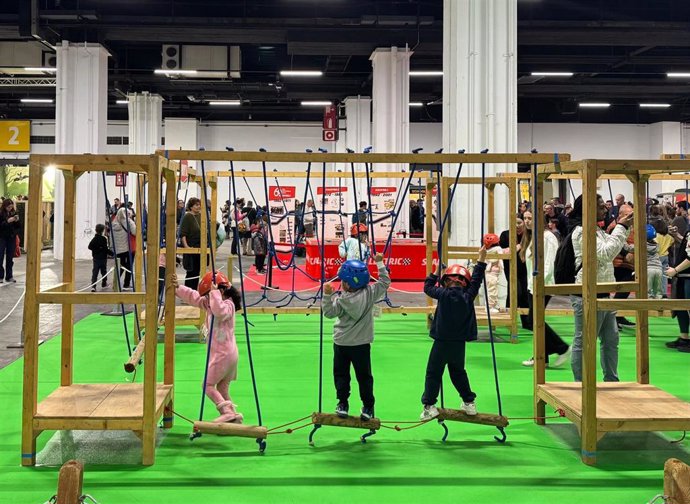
228, 414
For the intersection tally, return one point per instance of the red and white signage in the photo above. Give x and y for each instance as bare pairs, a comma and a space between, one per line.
280, 193
330, 124
184, 170
331, 190
382, 201
334, 201
120, 179
281, 200
378, 191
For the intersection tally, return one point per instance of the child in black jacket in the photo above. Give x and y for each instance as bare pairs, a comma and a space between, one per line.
100, 253
454, 324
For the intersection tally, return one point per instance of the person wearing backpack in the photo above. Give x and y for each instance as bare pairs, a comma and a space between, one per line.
681, 288
608, 247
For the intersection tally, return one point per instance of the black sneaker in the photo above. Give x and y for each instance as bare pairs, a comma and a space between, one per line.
622, 321
683, 346
342, 410
675, 343
366, 414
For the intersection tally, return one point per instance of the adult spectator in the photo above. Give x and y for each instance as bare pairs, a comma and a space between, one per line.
608, 246
124, 243
116, 206
414, 218
680, 275
624, 265
180, 210
9, 229
504, 242
550, 213
310, 219
422, 214
190, 237
361, 216
615, 210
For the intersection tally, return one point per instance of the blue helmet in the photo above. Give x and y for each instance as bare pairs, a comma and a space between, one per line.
651, 232
355, 273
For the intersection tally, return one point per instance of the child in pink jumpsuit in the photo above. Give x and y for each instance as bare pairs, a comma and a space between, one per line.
220, 300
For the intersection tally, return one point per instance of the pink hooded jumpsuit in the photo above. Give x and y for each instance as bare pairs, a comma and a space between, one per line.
222, 365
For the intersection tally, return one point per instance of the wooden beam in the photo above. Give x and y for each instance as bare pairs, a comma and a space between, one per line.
68, 276
169, 313
538, 308
479, 418
644, 304
562, 167
642, 325
317, 157
61, 287
350, 421
70, 482
231, 429
99, 162
90, 297
565, 289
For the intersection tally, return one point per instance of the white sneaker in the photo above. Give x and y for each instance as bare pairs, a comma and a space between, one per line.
429, 413
563, 358
494, 311
529, 362
470, 408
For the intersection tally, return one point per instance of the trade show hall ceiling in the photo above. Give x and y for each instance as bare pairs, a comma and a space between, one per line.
616, 52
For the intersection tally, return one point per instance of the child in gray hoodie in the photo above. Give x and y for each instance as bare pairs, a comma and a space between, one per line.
353, 331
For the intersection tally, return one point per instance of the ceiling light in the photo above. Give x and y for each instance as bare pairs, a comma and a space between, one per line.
301, 73
175, 72
225, 102
552, 74
655, 105
40, 69
316, 103
426, 73
36, 100
416, 104
682, 75
122, 102
595, 105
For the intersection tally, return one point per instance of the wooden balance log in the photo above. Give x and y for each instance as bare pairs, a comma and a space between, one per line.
133, 362
231, 429
353, 422
480, 418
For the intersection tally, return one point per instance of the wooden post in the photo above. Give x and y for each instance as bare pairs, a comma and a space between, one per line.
588, 422
171, 247
70, 482
229, 267
539, 311
429, 232
512, 235
68, 273
642, 327
138, 266
31, 316
492, 208
153, 244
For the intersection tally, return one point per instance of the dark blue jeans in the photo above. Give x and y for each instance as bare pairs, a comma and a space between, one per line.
682, 291
7, 247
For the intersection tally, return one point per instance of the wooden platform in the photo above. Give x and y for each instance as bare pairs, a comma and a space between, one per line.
102, 406
497, 319
184, 316
622, 406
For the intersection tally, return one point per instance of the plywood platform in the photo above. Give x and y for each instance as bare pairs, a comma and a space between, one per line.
184, 316
497, 319
97, 407
622, 406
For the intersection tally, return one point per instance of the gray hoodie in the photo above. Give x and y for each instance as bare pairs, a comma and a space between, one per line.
354, 310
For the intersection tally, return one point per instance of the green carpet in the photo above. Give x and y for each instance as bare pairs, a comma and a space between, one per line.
537, 464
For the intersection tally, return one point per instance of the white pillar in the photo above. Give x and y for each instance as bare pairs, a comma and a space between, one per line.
391, 113
479, 100
145, 122
183, 134
357, 137
665, 138
81, 114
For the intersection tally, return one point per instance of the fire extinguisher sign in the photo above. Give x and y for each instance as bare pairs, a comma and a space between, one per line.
330, 124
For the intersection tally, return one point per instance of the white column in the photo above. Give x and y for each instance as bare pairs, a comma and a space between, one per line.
145, 122
183, 134
81, 114
391, 113
665, 138
479, 100
357, 137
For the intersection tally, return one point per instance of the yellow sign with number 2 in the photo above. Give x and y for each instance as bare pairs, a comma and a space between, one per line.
15, 136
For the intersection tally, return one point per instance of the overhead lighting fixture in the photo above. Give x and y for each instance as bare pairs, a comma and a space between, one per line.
36, 100
40, 69
301, 73
225, 102
655, 105
174, 72
595, 105
679, 75
416, 104
316, 103
426, 73
122, 102
552, 74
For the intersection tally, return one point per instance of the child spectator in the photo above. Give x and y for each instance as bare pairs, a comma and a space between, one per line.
353, 331
100, 253
220, 300
259, 244
665, 242
356, 247
654, 271
454, 324
494, 268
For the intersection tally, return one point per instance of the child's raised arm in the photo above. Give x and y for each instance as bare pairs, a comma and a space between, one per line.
220, 309
189, 296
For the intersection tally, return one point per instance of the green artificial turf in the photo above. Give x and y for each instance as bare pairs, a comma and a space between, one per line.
536, 464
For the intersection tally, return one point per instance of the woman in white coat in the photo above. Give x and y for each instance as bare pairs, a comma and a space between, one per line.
124, 233
554, 343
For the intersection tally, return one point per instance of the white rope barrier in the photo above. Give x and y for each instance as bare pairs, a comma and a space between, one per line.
14, 307
97, 281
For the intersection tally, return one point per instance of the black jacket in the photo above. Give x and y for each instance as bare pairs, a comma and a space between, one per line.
454, 319
8, 230
99, 247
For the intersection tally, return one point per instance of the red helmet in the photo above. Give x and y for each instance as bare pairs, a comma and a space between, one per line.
358, 229
490, 240
459, 272
207, 281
